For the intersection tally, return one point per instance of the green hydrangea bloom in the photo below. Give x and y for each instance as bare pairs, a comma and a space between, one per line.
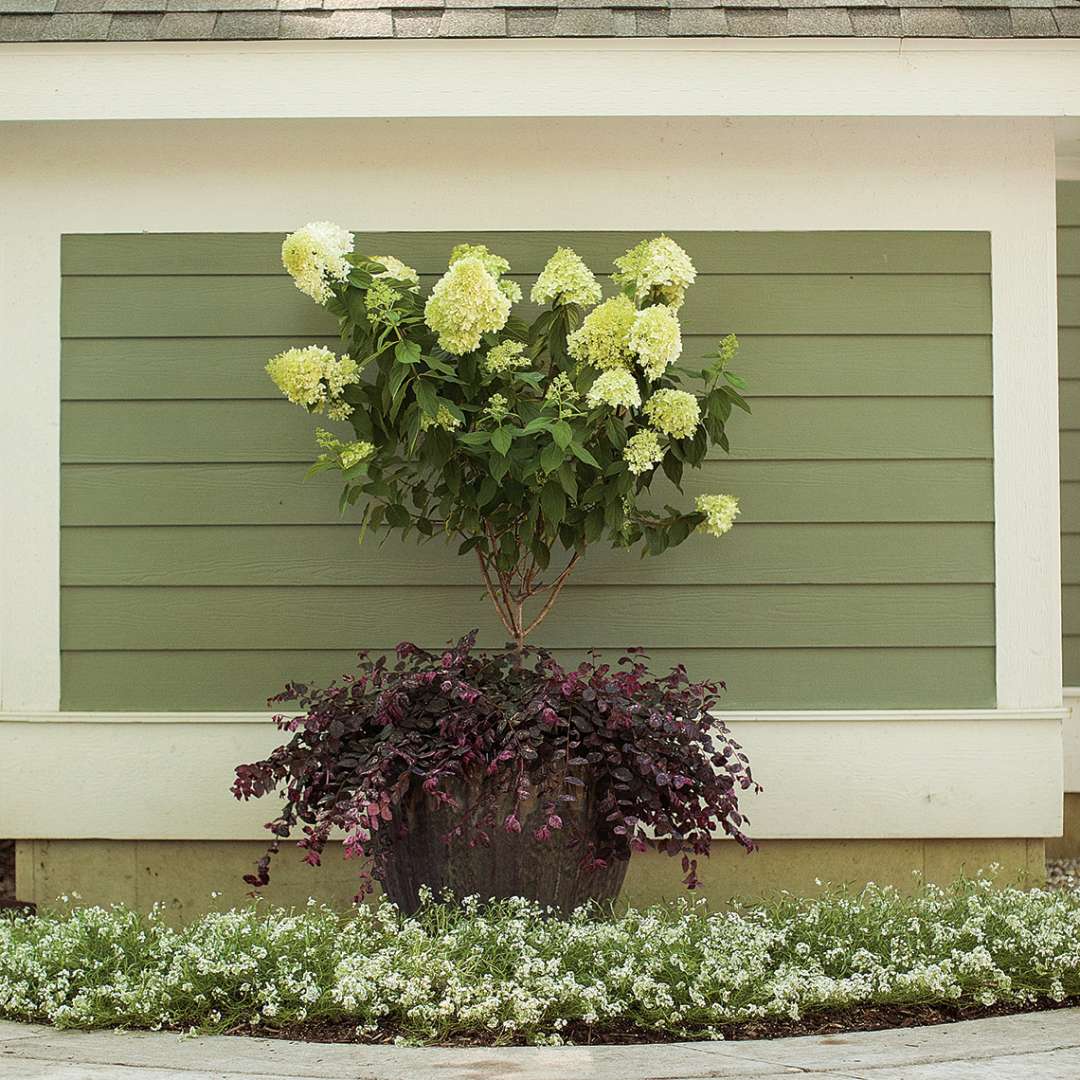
616, 388
380, 300
506, 356
562, 395
603, 339
497, 408
674, 412
444, 418
315, 253
314, 377
720, 512
466, 303
642, 451
343, 454
655, 339
658, 264
566, 280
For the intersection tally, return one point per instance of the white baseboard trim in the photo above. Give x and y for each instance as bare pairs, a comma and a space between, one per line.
876, 774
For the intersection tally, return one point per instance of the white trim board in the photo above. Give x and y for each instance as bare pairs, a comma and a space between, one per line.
995, 176
540, 77
1070, 734
881, 775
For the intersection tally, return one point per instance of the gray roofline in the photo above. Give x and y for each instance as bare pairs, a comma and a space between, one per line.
254, 20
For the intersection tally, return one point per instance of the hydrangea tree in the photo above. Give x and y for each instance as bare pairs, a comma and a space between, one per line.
523, 443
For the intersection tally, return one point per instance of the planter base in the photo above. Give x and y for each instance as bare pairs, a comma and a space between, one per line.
513, 863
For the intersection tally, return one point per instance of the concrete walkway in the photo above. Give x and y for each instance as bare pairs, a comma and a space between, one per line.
1038, 1046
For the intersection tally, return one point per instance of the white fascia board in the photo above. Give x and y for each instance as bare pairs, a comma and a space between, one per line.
540, 77
880, 775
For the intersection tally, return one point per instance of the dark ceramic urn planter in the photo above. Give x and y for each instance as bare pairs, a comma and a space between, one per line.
549, 872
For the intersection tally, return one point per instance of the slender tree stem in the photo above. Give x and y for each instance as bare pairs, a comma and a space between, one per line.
556, 588
507, 622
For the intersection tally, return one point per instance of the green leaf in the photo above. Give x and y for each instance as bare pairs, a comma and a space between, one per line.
551, 457
426, 397
568, 480
407, 352
673, 469
397, 517
325, 462
541, 553
475, 438
562, 433
582, 454
357, 471
538, 423
594, 524
501, 440
553, 503
397, 380
487, 491
739, 400
499, 466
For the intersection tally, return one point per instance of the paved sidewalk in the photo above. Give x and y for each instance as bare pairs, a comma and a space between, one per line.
1038, 1046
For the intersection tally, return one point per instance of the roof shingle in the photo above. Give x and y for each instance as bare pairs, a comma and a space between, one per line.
243, 20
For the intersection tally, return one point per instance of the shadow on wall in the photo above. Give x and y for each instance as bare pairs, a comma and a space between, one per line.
7, 873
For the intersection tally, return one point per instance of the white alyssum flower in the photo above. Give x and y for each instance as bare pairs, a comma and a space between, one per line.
504, 973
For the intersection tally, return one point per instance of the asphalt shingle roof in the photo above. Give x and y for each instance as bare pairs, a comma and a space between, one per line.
244, 20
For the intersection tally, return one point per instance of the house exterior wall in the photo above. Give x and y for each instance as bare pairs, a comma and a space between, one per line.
200, 571
841, 771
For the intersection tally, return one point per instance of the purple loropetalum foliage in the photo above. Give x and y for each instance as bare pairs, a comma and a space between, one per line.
654, 754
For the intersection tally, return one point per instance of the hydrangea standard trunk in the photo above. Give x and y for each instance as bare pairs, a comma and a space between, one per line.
553, 873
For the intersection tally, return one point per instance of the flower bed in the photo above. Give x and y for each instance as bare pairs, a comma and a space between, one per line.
504, 974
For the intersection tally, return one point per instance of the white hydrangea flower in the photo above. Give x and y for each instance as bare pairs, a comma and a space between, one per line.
616, 388
676, 413
720, 512
566, 280
314, 377
466, 303
603, 339
642, 451
655, 339
396, 270
316, 254
658, 265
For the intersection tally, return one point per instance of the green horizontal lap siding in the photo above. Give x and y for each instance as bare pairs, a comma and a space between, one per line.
94, 432
1068, 247
823, 678
796, 365
771, 491
220, 305
199, 570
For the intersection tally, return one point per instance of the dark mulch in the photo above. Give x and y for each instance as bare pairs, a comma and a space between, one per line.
834, 1022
